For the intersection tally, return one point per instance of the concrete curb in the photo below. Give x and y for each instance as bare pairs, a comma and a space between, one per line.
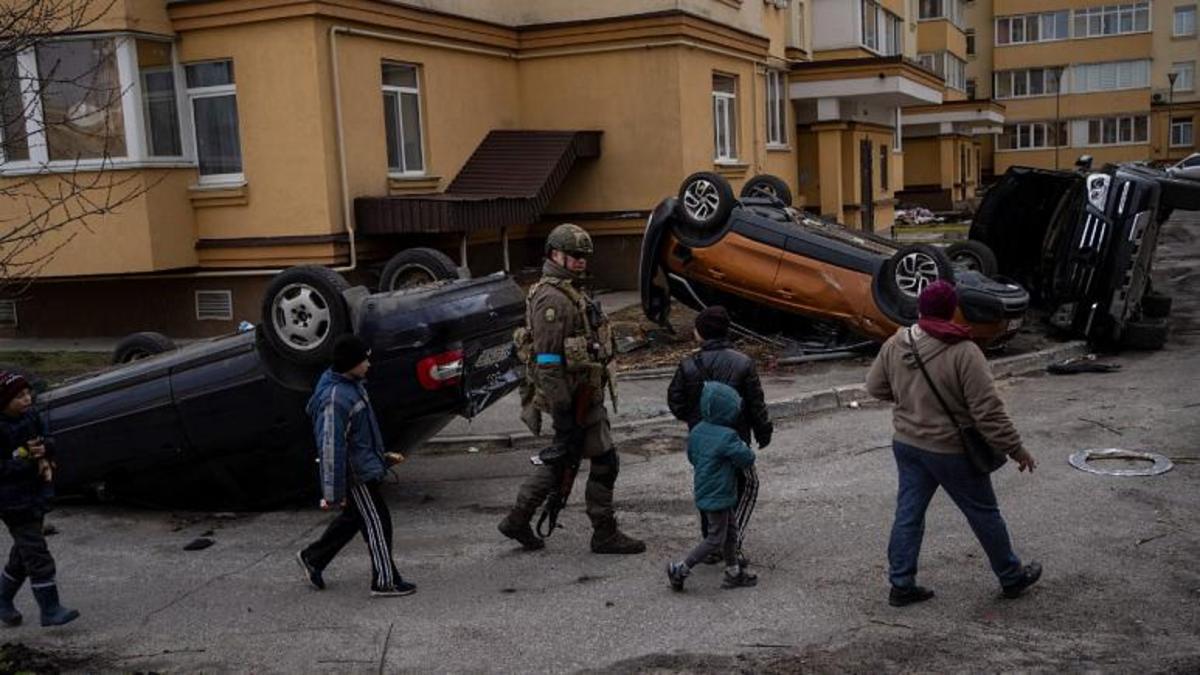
821, 400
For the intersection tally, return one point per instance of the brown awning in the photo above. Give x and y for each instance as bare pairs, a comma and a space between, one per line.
509, 180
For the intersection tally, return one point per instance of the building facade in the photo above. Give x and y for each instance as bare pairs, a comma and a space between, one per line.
1087, 77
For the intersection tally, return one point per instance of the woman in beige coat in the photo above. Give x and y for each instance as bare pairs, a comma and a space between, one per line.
926, 441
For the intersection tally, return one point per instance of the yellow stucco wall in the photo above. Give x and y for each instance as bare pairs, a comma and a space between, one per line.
922, 162
1067, 156
1078, 105
935, 35
1089, 50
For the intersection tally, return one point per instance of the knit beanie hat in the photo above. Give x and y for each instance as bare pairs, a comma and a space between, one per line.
11, 384
713, 323
349, 351
938, 300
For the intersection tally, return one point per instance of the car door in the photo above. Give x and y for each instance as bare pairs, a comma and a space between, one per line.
823, 277
745, 260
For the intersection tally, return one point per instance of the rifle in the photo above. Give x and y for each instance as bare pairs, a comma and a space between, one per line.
566, 454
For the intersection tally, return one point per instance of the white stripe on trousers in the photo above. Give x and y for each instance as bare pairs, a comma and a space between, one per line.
374, 528
746, 502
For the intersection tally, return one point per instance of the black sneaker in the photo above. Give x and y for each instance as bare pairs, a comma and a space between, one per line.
1029, 576
676, 573
522, 533
311, 574
908, 595
742, 579
401, 588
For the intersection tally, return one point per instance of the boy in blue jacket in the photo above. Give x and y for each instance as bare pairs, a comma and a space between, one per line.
716, 453
25, 490
353, 462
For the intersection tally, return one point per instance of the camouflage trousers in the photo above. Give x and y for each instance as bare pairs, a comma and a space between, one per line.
598, 495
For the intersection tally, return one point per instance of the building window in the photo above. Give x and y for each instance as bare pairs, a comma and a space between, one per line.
1185, 75
1032, 135
1111, 76
949, 66
12, 111
1181, 132
776, 108
1112, 20
970, 33
942, 9
81, 99
1118, 130
972, 90
880, 29
402, 118
883, 167
160, 110
212, 93
8, 313
724, 95
1185, 21
1026, 83
1044, 27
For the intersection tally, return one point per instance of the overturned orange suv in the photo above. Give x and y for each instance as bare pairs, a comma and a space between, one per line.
778, 270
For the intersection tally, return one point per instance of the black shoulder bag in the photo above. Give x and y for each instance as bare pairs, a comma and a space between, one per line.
983, 457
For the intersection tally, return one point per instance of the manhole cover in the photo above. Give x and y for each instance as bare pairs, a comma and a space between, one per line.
1159, 464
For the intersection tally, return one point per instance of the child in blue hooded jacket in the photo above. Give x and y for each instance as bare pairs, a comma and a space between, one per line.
716, 453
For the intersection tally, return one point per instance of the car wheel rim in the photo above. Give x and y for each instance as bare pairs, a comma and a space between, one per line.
967, 262
914, 272
701, 199
301, 317
411, 276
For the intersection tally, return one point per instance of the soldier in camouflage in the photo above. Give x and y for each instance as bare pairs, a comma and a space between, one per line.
568, 348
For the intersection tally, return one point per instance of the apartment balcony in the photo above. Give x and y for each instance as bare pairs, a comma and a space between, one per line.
1087, 50
967, 118
886, 82
941, 35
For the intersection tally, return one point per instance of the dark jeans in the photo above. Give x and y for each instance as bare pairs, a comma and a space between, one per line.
722, 537
367, 513
921, 473
29, 557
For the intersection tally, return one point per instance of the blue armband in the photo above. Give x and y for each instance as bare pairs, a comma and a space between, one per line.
549, 359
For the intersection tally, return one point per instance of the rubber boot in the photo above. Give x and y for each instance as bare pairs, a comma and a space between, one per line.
607, 538
8, 590
53, 614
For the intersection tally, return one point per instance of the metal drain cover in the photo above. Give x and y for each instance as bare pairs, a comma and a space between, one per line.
1079, 460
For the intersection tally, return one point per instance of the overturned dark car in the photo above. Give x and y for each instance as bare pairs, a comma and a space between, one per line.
221, 423
1083, 243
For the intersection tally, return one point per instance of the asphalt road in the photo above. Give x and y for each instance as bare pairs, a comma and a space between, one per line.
1121, 591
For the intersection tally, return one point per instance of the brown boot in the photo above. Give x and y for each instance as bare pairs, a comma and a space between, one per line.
522, 533
613, 540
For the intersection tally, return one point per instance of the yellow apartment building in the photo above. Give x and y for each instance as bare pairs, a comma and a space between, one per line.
1087, 77
250, 135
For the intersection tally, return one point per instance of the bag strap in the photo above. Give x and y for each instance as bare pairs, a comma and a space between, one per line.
912, 343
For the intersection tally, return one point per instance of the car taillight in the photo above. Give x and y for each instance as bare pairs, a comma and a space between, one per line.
440, 370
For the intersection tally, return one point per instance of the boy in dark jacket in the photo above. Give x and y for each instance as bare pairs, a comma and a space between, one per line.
353, 461
718, 361
25, 472
716, 453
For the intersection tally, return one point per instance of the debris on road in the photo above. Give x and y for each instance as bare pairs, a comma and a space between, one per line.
1081, 364
198, 544
1080, 459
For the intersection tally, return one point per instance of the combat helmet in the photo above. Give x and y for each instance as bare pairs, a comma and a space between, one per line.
571, 239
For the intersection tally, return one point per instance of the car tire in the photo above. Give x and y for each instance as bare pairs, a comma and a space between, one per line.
1148, 334
1156, 305
766, 185
415, 267
910, 270
974, 256
705, 201
303, 312
141, 345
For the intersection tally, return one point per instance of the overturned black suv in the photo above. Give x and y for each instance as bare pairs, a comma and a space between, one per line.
1083, 243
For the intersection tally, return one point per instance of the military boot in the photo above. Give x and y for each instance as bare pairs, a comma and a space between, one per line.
521, 532
608, 538
8, 590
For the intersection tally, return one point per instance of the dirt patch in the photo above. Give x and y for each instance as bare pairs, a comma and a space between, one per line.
16, 657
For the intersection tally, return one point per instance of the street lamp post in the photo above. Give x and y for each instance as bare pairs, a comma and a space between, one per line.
1058, 73
1170, 105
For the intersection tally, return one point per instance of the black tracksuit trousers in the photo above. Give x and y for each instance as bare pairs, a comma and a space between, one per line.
366, 513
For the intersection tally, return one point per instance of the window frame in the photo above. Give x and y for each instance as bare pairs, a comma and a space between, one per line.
776, 100
1035, 19
727, 101
1189, 69
1079, 78
132, 101
397, 109
1030, 131
1182, 123
1113, 126
213, 91
1103, 15
1180, 11
1026, 78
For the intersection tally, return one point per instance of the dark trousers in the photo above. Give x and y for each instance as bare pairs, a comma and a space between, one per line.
747, 491
366, 513
921, 473
722, 538
29, 557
